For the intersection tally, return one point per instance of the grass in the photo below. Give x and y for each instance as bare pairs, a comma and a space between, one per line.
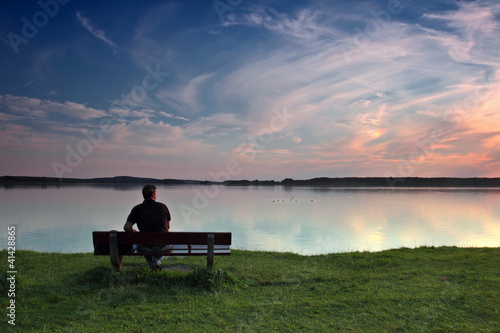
444, 289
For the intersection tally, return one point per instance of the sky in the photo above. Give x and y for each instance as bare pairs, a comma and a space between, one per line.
240, 89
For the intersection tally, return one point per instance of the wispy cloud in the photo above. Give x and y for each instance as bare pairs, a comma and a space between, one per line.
169, 115
37, 108
303, 25
217, 125
186, 98
475, 27
96, 32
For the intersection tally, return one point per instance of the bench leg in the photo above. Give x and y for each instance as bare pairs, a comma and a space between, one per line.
210, 251
116, 258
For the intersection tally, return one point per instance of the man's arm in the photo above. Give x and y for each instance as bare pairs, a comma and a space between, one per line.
129, 227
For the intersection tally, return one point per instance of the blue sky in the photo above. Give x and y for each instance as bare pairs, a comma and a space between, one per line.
250, 89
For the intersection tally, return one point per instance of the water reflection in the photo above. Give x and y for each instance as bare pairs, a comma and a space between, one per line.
297, 219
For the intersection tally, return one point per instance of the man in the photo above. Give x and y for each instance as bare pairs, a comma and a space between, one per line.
150, 216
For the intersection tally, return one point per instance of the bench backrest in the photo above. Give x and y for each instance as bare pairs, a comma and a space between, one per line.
161, 238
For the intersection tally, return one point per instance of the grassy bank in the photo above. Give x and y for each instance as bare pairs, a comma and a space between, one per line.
404, 290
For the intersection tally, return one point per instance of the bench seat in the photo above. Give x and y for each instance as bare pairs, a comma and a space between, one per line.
181, 250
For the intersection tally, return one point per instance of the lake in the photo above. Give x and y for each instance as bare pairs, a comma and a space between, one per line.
304, 220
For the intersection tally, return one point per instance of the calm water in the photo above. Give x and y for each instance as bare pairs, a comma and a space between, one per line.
305, 220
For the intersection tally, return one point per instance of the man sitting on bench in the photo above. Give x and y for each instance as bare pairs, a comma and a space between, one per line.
150, 216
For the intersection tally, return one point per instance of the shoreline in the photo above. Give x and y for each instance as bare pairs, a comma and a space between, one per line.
291, 253
381, 182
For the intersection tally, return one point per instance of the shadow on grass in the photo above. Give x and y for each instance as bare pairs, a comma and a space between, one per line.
180, 277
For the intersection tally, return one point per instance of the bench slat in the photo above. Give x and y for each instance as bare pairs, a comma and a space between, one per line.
173, 237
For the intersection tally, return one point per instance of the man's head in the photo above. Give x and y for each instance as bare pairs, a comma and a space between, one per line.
149, 192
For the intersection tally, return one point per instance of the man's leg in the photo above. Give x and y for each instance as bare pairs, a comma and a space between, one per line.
158, 259
154, 262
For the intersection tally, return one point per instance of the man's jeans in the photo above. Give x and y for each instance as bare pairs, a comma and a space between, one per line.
153, 261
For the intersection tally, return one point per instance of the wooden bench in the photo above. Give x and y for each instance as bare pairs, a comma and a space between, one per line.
117, 244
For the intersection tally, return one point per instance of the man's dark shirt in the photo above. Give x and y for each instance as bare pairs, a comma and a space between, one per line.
150, 216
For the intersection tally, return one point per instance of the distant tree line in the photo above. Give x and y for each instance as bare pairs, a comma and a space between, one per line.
321, 181
375, 182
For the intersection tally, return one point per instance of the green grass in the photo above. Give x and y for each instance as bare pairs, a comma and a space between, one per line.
445, 289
